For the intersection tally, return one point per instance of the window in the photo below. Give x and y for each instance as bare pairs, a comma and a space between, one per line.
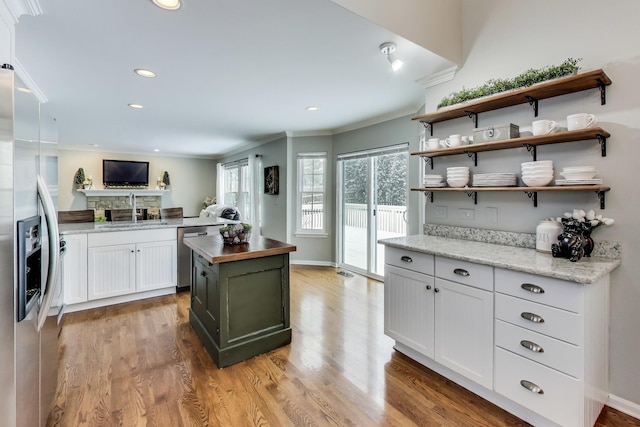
235, 187
312, 198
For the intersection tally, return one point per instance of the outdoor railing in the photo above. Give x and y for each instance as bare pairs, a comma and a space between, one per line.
390, 218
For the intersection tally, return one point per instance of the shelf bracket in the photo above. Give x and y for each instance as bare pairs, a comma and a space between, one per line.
532, 149
473, 116
603, 91
428, 126
601, 198
473, 155
534, 103
474, 196
533, 195
428, 160
603, 144
429, 195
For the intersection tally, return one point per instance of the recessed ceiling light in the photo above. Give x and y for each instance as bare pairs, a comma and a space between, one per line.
94, 145
312, 108
136, 106
168, 4
156, 150
23, 89
144, 73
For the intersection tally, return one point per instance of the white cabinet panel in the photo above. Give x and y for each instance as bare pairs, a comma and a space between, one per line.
156, 265
464, 330
74, 269
111, 271
468, 273
411, 260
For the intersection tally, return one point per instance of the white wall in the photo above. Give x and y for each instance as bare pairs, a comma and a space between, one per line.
503, 38
6, 35
192, 179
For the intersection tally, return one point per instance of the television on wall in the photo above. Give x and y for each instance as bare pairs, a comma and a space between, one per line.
125, 173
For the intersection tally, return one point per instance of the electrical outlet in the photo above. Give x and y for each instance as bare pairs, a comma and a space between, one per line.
492, 215
440, 212
466, 214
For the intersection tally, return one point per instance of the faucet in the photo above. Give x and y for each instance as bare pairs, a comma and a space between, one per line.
132, 203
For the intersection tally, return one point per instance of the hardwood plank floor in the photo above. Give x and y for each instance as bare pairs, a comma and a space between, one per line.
141, 364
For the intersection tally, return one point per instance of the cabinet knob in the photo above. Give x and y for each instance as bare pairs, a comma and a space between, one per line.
436, 290
532, 346
203, 274
532, 288
461, 272
406, 259
532, 317
428, 287
534, 388
132, 251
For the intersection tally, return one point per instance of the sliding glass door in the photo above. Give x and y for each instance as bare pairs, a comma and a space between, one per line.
372, 205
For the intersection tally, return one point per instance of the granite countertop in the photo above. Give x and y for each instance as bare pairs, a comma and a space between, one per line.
587, 270
215, 251
103, 227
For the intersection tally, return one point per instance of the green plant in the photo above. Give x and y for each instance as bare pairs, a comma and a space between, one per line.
527, 78
165, 178
79, 178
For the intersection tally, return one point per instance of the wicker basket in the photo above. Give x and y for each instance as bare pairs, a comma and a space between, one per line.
235, 235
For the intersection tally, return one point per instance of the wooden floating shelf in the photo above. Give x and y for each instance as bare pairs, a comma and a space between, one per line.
123, 192
552, 138
562, 86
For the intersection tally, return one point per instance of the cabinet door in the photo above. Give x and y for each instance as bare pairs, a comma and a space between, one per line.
205, 296
111, 271
156, 265
408, 308
464, 330
74, 269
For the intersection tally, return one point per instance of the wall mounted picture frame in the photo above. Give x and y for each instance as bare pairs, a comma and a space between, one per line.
271, 180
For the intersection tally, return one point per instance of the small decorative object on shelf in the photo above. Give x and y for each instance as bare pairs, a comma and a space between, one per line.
79, 178
208, 201
165, 179
575, 240
235, 234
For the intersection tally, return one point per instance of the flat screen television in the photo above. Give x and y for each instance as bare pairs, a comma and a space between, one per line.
125, 173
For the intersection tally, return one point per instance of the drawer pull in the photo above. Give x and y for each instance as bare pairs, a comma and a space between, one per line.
203, 273
531, 387
532, 317
436, 290
531, 346
428, 287
406, 259
532, 288
461, 272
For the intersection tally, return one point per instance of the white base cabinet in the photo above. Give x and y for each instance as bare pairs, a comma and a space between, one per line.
74, 269
550, 348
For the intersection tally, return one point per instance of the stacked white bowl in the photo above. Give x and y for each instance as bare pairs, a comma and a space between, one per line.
458, 177
433, 181
537, 174
579, 172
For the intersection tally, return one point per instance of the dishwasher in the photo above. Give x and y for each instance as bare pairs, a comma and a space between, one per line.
184, 252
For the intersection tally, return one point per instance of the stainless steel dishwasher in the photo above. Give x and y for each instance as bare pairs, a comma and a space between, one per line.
184, 253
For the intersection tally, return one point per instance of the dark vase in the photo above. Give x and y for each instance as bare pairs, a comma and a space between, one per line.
588, 243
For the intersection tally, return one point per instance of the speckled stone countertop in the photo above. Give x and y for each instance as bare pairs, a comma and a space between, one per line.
105, 227
587, 270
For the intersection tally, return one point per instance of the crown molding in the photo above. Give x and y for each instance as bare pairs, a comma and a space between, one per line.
27, 80
438, 78
292, 134
17, 8
410, 110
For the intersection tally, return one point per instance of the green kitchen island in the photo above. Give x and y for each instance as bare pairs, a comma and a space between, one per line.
239, 296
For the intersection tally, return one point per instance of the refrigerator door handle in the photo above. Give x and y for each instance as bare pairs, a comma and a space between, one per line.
54, 250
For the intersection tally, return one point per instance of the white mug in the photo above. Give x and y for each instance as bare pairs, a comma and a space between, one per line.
453, 141
580, 121
443, 143
433, 144
543, 127
465, 140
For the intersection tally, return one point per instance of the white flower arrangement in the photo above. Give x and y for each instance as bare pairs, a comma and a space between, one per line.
596, 220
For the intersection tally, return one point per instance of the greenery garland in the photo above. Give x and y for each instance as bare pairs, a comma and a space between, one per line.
528, 78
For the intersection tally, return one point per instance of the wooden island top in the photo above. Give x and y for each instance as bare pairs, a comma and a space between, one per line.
214, 251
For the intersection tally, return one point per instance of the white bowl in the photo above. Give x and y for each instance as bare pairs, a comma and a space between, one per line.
433, 177
579, 168
538, 163
537, 174
579, 175
458, 169
537, 182
536, 167
457, 182
456, 177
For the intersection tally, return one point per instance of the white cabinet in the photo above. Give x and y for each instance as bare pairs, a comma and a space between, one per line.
552, 346
121, 263
74, 269
449, 322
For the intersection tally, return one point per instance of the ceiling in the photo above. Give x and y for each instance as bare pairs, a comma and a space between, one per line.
229, 73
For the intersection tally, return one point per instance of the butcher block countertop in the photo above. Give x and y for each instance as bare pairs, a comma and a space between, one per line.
213, 250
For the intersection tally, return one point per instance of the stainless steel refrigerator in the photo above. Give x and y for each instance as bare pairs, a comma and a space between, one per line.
30, 252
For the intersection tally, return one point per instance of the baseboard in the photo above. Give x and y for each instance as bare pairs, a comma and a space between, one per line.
316, 263
70, 308
623, 405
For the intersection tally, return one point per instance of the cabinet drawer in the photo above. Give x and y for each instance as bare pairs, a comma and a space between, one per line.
551, 352
411, 260
468, 273
544, 290
134, 236
556, 323
560, 399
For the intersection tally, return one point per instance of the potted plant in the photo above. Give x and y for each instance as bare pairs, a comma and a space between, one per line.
165, 179
79, 178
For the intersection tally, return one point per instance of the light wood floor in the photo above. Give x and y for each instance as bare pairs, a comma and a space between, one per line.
141, 364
